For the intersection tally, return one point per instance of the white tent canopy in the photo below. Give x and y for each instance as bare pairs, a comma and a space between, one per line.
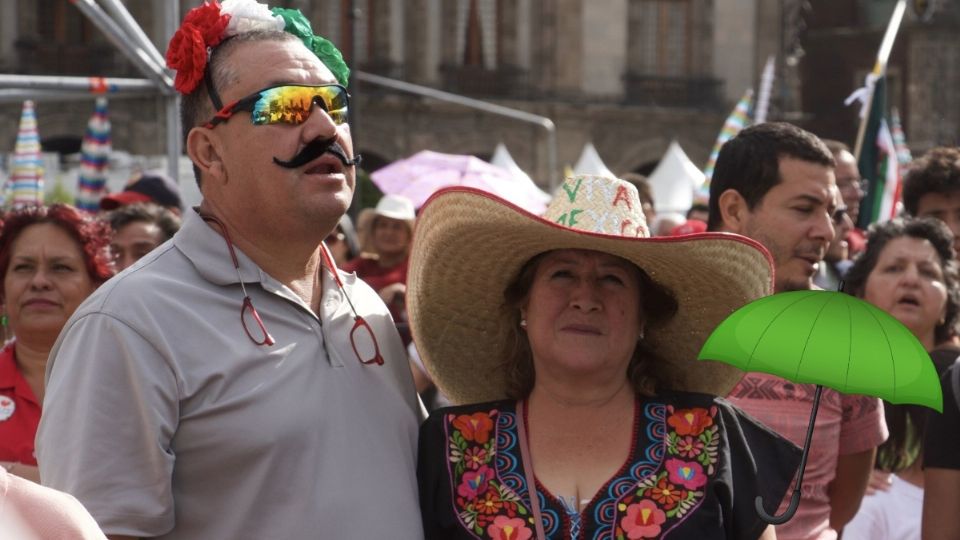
590, 162
675, 181
502, 158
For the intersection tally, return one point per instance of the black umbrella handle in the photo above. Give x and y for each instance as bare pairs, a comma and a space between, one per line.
795, 500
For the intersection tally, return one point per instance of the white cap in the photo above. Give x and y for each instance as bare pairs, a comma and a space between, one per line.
396, 207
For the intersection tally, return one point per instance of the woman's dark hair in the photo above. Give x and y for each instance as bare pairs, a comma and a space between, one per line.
930, 229
907, 422
657, 305
92, 235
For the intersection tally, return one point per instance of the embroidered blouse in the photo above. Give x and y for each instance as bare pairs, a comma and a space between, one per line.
696, 465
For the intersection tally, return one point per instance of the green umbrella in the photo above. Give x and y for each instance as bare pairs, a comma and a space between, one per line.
827, 339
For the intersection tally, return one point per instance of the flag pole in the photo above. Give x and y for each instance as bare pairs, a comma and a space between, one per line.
880, 68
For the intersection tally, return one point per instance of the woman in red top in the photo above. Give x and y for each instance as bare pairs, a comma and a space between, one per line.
51, 259
391, 235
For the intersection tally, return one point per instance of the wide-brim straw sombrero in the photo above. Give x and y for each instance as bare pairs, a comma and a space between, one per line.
469, 245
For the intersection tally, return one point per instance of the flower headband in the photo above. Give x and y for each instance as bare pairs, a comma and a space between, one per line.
207, 25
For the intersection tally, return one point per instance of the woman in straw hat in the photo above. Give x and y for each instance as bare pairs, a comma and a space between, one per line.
573, 338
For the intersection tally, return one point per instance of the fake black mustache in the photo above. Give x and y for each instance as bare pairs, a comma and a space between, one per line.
316, 149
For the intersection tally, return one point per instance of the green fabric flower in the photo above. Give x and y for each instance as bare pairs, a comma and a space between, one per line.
295, 23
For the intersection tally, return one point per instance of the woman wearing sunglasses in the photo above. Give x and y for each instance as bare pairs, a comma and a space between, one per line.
570, 343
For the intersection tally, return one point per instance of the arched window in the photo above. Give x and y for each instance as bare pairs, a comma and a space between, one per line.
477, 33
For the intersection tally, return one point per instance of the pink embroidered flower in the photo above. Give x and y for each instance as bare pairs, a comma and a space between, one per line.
474, 457
187, 52
504, 528
690, 421
643, 520
475, 483
688, 474
475, 427
689, 447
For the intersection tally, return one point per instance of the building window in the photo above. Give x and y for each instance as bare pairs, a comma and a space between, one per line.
477, 33
61, 23
665, 30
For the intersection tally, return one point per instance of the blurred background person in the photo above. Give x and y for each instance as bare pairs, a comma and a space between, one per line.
139, 228
342, 242
391, 235
51, 259
908, 270
931, 188
645, 192
151, 186
850, 186
836, 260
941, 457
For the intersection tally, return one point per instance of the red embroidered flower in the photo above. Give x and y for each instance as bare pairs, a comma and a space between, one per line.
475, 427
689, 474
504, 528
643, 520
489, 503
474, 457
689, 447
187, 52
690, 421
666, 493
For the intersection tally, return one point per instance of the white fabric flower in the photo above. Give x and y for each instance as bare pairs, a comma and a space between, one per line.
248, 16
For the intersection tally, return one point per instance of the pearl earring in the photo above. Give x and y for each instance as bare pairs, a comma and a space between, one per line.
523, 323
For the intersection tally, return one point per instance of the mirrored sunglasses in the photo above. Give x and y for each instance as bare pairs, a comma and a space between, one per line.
288, 104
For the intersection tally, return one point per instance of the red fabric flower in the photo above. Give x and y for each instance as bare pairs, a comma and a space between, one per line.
475, 427
208, 19
690, 421
203, 27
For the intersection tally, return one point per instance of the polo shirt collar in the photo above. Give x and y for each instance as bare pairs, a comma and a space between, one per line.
206, 249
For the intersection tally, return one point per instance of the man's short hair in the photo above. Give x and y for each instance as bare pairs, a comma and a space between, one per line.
750, 162
938, 171
167, 221
836, 146
196, 108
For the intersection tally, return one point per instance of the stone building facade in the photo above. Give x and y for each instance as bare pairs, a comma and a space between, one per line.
627, 75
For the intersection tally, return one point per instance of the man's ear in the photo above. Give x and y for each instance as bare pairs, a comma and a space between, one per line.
733, 211
206, 151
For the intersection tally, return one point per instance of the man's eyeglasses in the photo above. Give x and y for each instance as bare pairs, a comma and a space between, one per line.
361, 335
288, 104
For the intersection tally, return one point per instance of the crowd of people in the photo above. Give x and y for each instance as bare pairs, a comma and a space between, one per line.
259, 367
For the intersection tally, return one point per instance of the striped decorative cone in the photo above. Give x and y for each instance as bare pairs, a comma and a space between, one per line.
26, 179
94, 155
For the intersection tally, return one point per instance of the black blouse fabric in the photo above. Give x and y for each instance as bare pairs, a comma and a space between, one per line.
696, 465
941, 447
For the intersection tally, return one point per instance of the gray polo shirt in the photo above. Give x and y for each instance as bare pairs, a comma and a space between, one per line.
165, 420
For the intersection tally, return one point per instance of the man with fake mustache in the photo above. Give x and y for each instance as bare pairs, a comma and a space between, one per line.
775, 183
234, 383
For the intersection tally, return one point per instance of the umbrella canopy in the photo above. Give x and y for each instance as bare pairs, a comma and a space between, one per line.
828, 339
94, 154
831, 339
422, 174
26, 179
